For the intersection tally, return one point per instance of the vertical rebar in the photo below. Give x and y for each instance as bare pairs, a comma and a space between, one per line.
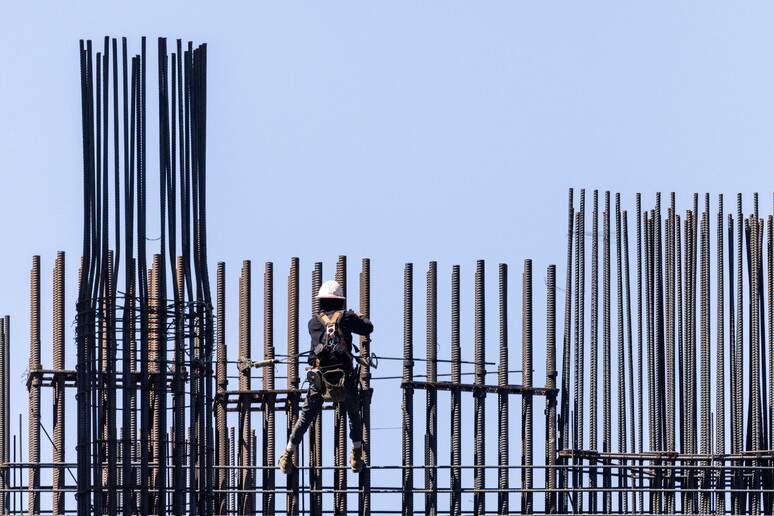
630, 348
315, 434
221, 481
456, 402
58, 479
503, 496
720, 382
366, 392
551, 423
594, 348
526, 400
622, 480
606, 354
431, 426
738, 371
706, 416
294, 381
340, 425
246, 498
564, 413
408, 391
479, 407
5, 330
33, 504
268, 385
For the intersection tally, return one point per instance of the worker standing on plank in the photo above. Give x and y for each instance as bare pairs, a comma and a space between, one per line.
332, 376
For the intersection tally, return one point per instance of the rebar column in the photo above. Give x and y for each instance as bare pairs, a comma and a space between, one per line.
58, 478
408, 391
455, 472
246, 497
221, 437
366, 392
526, 400
431, 423
502, 399
479, 424
34, 382
340, 425
294, 381
269, 444
551, 373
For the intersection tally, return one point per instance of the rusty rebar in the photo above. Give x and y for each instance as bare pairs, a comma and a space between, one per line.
33, 504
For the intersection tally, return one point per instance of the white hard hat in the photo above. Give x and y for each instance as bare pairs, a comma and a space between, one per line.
330, 290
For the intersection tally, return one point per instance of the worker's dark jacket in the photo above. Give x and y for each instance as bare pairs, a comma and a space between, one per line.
349, 323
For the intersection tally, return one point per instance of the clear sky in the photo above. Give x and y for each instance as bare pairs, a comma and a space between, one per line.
399, 131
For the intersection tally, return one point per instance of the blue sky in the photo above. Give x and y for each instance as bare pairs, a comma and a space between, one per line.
411, 132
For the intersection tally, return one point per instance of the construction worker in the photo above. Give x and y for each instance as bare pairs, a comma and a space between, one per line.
332, 376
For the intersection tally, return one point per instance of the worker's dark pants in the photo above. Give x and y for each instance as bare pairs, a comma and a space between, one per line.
313, 406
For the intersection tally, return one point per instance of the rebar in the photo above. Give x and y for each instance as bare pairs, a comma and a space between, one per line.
479, 403
431, 426
408, 391
503, 506
526, 403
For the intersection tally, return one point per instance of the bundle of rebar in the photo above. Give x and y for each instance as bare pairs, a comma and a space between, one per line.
135, 327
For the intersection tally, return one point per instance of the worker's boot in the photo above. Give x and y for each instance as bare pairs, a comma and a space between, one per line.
286, 462
356, 460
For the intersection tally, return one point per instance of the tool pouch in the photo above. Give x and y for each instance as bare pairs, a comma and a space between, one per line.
335, 383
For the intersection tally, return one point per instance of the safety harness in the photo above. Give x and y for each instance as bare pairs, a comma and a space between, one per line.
333, 381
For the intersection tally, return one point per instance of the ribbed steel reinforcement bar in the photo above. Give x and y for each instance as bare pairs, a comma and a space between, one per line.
366, 392
246, 482
292, 501
407, 440
479, 403
526, 404
340, 423
503, 506
431, 422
